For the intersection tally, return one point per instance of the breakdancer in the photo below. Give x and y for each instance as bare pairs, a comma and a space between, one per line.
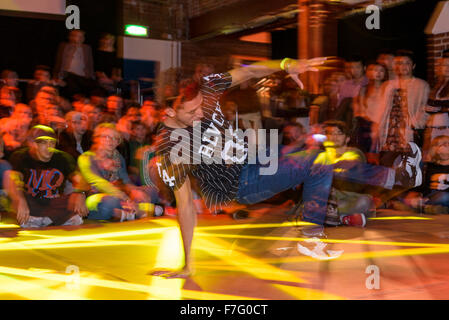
197, 144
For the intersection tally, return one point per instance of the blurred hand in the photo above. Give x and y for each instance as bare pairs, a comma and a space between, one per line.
303, 65
77, 204
23, 211
138, 195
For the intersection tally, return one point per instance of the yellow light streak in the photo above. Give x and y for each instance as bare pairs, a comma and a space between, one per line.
169, 255
71, 239
255, 226
250, 265
8, 226
401, 218
35, 290
382, 243
306, 293
365, 255
90, 281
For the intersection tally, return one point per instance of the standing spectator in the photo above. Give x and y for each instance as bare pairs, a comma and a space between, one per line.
402, 114
107, 70
438, 104
44, 171
331, 106
74, 64
355, 67
366, 107
386, 58
76, 139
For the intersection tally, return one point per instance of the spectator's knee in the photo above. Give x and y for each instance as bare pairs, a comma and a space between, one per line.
101, 207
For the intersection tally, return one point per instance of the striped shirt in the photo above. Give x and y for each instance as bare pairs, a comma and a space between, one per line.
211, 152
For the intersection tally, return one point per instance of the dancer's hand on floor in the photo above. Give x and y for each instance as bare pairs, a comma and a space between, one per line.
171, 274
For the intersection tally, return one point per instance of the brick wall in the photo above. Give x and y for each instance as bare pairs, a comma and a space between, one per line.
436, 44
199, 7
165, 18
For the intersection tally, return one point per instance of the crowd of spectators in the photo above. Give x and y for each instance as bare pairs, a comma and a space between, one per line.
73, 147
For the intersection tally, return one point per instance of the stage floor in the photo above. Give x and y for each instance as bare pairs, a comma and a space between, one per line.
399, 255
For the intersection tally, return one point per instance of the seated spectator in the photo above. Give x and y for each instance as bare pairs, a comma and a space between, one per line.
10, 79
79, 101
22, 112
150, 117
98, 98
50, 115
14, 133
293, 138
112, 195
94, 115
124, 124
44, 171
433, 195
5, 168
346, 204
41, 78
7, 101
43, 97
15, 128
76, 139
138, 143
114, 107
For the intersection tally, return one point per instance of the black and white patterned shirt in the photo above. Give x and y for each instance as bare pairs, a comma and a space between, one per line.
211, 151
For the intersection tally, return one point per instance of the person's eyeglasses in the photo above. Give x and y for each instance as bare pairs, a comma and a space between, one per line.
106, 137
334, 134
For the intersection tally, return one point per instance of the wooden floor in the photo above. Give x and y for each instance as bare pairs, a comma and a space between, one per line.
399, 255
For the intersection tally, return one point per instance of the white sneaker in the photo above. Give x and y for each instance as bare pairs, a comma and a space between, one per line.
76, 220
318, 251
37, 222
408, 172
158, 211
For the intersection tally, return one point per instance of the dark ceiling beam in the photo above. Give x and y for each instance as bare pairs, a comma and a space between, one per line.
235, 14
278, 24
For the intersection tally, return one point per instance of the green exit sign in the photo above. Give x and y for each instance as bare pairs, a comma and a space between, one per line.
135, 30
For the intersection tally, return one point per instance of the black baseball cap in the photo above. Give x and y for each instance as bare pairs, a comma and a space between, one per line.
41, 132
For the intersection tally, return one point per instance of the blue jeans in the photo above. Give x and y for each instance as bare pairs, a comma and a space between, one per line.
292, 171
439, 198
364, 173
317, 178
105, 208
